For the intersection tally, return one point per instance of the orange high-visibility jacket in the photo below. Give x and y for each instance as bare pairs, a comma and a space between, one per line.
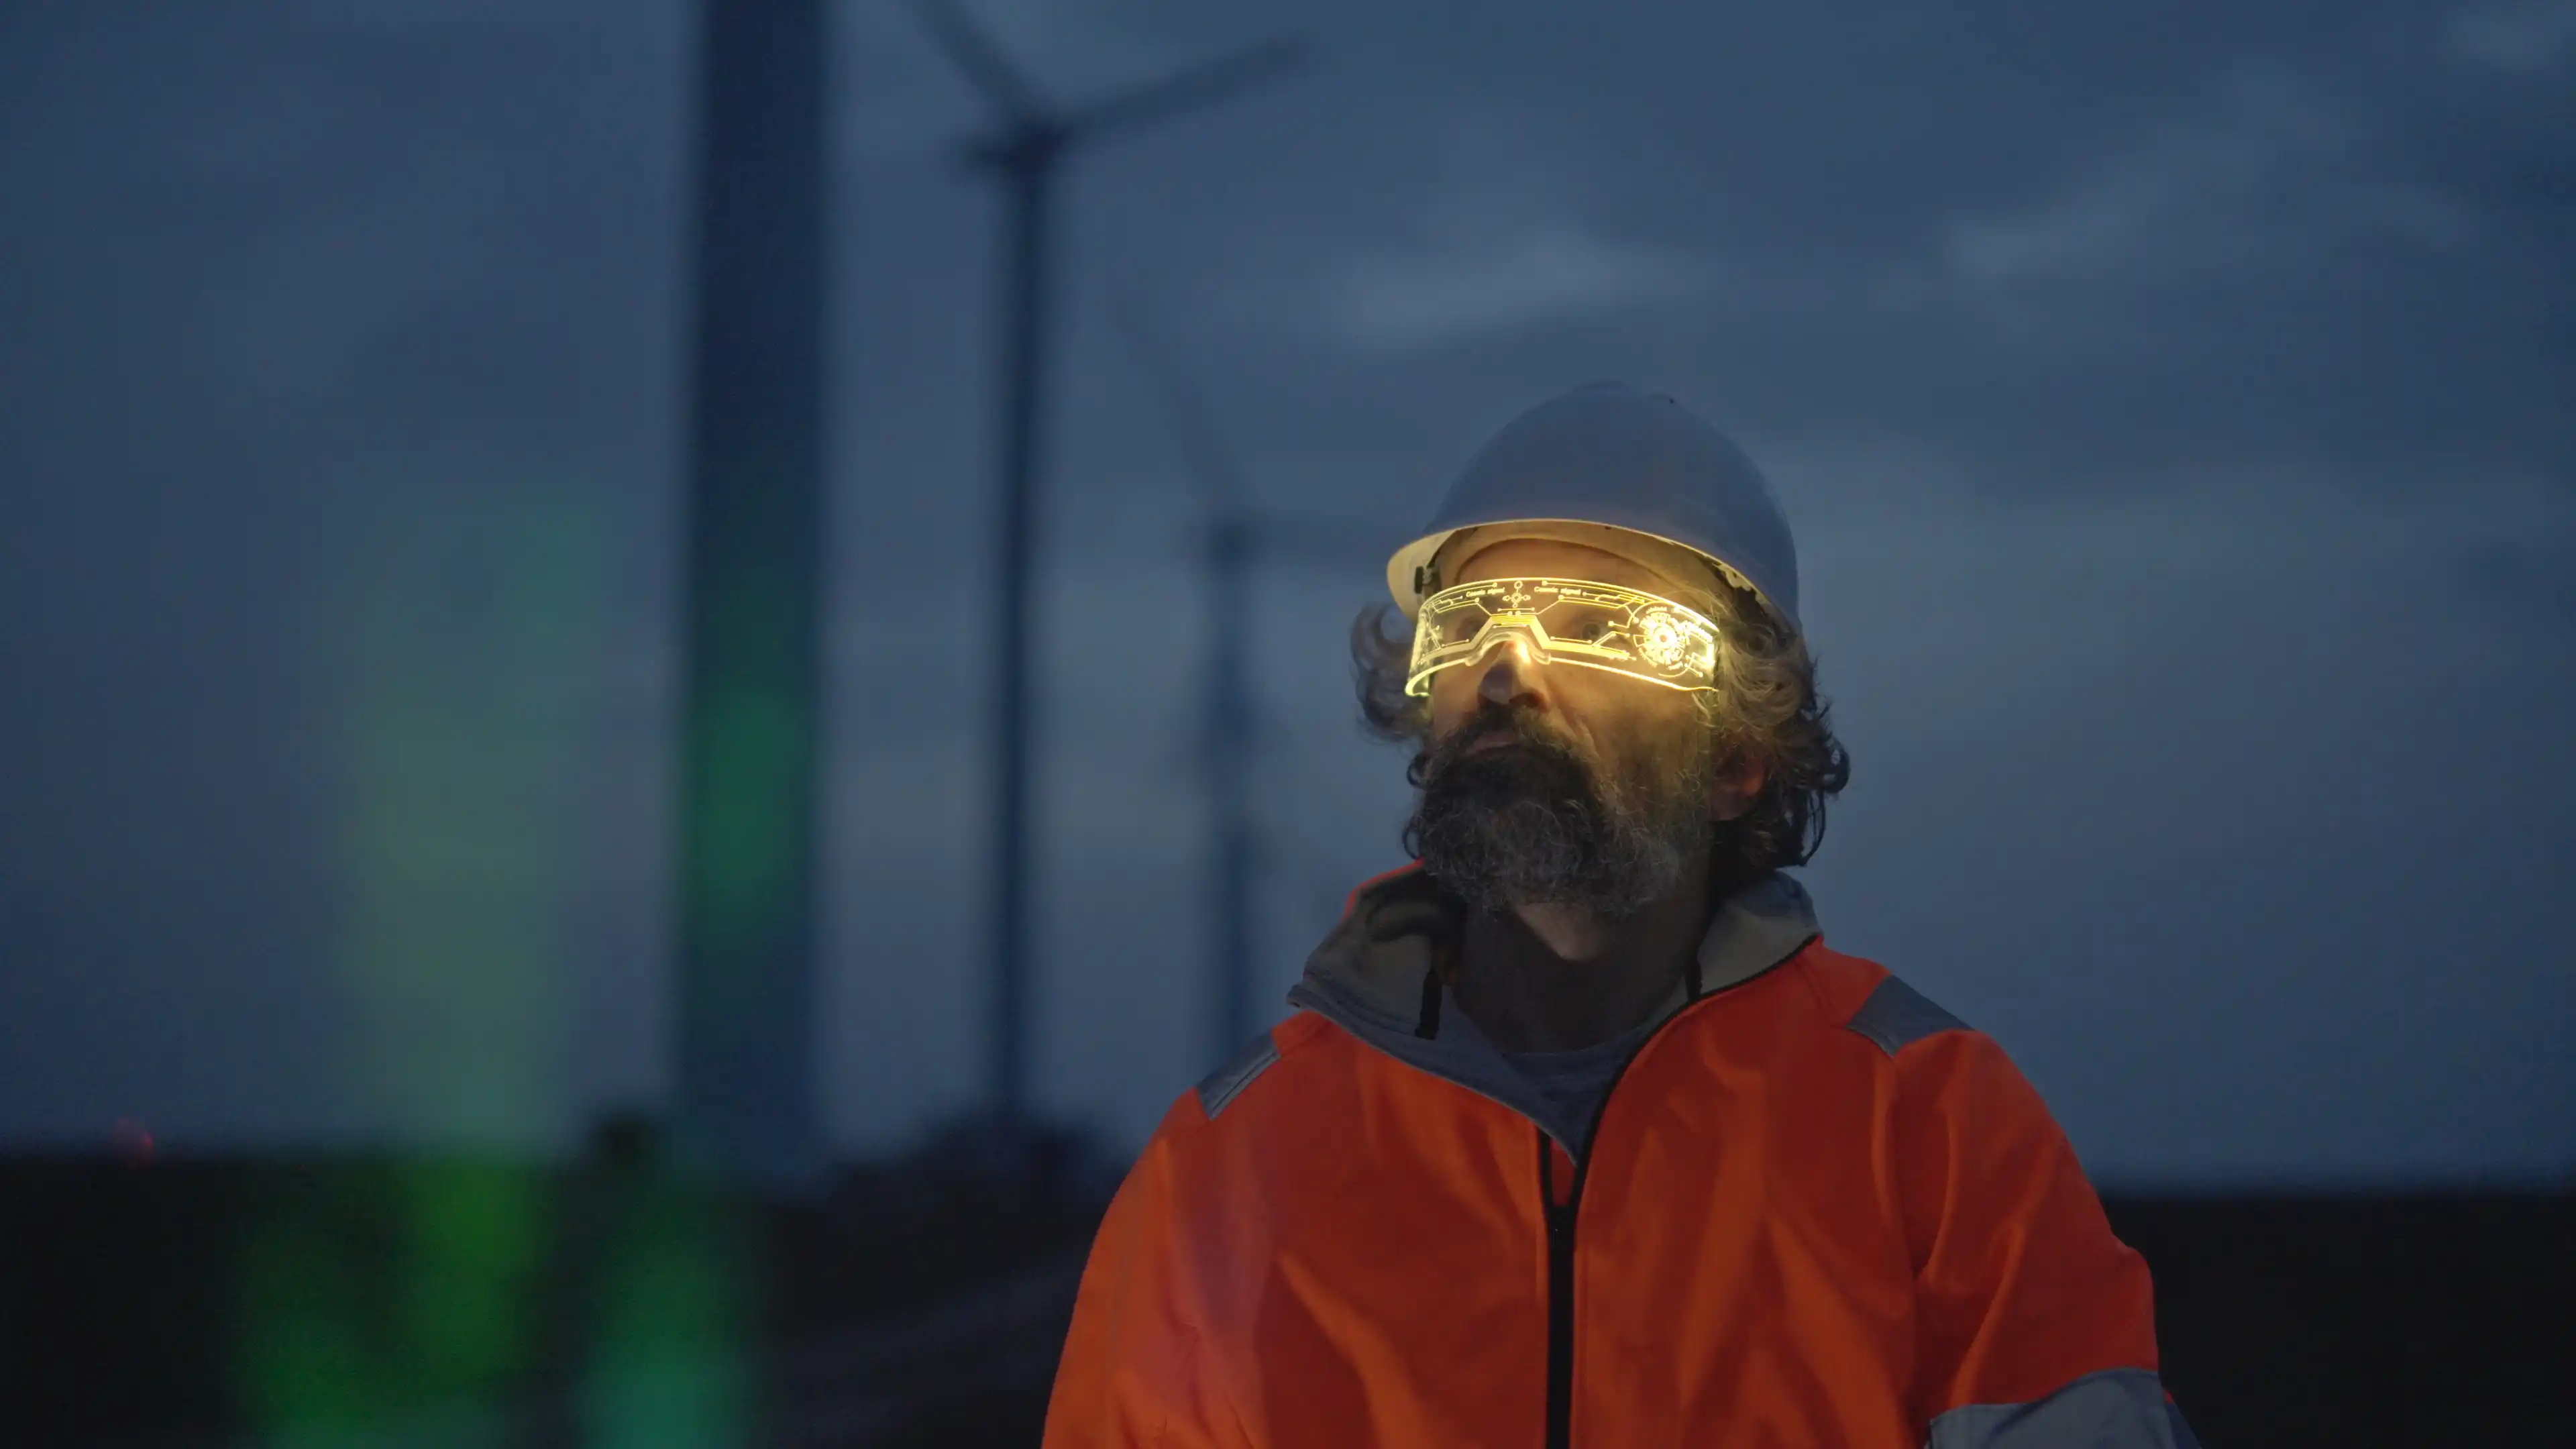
1814, 1209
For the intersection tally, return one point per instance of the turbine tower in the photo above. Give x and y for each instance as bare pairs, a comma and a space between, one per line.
745, 886
1031, 138
1235, 541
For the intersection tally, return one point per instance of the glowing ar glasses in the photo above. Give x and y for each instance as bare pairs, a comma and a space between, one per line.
1565, 621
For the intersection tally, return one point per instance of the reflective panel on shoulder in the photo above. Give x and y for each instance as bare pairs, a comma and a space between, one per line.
2114, 1409
1222, 1085
1896, 1016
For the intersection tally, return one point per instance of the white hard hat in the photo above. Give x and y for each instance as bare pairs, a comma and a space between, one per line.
1607, 454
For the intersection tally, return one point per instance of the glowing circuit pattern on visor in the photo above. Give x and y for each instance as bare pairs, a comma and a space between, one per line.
1565, 621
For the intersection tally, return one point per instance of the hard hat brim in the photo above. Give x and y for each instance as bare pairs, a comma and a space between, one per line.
1410, 565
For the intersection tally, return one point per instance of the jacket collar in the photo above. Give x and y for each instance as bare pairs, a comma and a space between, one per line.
1378, 975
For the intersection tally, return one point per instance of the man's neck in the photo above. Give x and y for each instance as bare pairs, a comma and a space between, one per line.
1554, 978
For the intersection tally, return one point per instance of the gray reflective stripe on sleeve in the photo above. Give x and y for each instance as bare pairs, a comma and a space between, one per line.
1896, 1016
1221, 1085
2114, 1409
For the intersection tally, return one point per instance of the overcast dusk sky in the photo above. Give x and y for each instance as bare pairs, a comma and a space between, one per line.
2176, 410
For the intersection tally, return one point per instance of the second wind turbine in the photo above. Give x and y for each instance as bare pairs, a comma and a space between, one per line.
1023, 152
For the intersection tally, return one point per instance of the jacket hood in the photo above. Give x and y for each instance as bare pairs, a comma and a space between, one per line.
1381, 972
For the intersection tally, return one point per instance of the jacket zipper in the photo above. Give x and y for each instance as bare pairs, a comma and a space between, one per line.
1560, 1220
1560, 1293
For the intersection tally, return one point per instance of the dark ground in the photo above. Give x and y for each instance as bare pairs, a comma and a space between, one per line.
456, 1301
2433, 1319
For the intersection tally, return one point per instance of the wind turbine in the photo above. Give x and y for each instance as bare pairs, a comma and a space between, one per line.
1032, 137
1234, 542
752, 583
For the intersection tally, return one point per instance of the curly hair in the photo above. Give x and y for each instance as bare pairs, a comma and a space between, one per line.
1765, 708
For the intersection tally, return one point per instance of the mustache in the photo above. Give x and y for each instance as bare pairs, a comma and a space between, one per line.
1520, 724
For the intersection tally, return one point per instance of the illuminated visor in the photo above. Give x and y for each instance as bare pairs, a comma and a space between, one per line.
1565, 621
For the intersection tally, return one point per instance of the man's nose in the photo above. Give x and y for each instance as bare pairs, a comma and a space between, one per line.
1508, 672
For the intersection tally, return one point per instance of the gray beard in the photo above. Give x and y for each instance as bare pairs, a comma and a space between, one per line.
1537, 825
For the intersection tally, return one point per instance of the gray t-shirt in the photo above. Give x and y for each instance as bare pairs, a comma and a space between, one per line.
1575, 1082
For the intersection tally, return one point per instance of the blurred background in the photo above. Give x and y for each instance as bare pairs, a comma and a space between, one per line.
543, 899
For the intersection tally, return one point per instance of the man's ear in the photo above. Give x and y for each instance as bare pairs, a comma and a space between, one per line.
1738, 784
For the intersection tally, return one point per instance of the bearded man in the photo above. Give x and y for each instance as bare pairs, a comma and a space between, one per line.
1580, 1134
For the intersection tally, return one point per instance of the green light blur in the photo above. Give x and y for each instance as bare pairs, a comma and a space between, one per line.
472, 624
377, 1293
303, 1366
470, 1253
743, 869
389, 1288
666, 1366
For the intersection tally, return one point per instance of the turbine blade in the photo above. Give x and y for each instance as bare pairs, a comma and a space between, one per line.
1187, 413
972, 49
1197, 86
1209, 456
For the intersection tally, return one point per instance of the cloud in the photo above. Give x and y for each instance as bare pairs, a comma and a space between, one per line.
2269, 178
1551, 272
2527, 39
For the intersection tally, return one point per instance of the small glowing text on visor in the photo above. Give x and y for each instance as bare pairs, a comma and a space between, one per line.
1565, 621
